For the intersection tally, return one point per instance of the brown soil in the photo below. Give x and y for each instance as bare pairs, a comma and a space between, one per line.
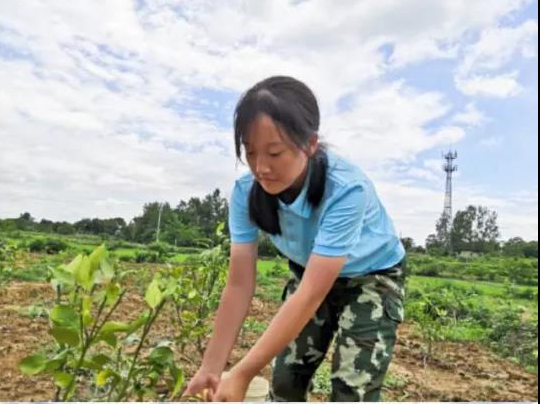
461, 372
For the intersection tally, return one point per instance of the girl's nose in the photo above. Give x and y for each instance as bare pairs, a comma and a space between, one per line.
262, 167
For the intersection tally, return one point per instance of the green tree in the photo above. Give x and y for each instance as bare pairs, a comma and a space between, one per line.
434, 246
408, 243
25, 222
514, 247
531, 250
475, 229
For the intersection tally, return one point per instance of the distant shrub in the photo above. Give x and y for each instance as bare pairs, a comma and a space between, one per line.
148, 257
162, 249
188, 250
126, 258
432, 270
47, 245
514, 338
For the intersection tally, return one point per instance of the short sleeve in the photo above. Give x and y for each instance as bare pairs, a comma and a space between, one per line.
241, 228
342, 223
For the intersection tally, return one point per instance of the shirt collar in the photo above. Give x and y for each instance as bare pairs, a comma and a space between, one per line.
300, 206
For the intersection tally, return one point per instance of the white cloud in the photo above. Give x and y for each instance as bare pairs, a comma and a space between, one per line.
479, 72
471, 116
390, 123
103, 111
501, 86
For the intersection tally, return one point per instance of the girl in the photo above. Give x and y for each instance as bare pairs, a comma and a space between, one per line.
323, 213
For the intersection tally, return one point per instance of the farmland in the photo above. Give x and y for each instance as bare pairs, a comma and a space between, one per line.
131, 322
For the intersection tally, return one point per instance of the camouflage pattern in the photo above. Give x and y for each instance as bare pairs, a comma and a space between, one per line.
361, 315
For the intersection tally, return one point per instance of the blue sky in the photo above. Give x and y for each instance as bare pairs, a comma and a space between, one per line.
108, 105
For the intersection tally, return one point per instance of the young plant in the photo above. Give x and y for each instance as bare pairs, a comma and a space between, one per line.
197, 291
7, 256
89, 292
430, 321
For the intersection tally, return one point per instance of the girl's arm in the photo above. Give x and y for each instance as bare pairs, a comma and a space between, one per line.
321, 274
233, 308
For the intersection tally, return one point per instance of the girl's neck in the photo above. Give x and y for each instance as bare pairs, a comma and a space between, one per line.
290, 194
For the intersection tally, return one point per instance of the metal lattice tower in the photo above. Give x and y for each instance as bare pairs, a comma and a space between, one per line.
450, 169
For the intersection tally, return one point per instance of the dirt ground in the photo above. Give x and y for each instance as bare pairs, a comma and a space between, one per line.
461, 372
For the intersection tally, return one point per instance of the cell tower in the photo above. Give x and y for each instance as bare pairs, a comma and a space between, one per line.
450, 169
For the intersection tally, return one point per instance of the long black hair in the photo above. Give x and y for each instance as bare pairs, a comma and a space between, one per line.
294, 109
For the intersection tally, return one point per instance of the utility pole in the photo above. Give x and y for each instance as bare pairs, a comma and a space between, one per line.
159, 221
450, 168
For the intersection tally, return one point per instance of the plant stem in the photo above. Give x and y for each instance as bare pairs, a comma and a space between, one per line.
88, 342
146, 330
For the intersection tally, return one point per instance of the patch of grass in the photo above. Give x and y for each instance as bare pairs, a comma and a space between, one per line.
491, 293
270, 280
252, 325
179, 258
321, 380
34, 273
465, 333
394, 388
34, 311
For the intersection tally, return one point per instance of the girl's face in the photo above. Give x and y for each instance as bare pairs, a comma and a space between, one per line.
275, 160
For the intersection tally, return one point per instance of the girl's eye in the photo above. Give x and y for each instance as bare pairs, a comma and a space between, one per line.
275, 154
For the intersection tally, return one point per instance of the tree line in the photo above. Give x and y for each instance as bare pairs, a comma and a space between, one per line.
192, 223
473, 230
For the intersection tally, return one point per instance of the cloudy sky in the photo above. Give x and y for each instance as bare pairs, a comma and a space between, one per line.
106, 105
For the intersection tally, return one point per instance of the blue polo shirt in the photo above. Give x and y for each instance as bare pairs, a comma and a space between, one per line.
350, 221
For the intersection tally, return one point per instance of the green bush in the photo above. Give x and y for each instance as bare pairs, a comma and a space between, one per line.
188, 250
162, 249
514, 338
47, 245
126, 258
490, 268
431, 270
148, 257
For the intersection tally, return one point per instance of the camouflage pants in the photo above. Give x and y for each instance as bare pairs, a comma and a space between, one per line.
362, 314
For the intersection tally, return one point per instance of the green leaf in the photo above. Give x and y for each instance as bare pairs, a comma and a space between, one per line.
101, 359
138, 323
33, 365
66, 335
73, 267
64, 316
108, 338
107, 270
87, 311
193, 294
63, 276
220, 228
62, 379
83, 274
54, 364
153, 294
113, 292
179, 379
103, 376
111, 327
161, 356
171, 289
97, 257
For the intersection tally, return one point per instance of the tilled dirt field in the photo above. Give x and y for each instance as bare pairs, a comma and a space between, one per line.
461, 372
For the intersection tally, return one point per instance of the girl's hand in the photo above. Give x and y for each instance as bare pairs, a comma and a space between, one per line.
203, 383
232, 388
